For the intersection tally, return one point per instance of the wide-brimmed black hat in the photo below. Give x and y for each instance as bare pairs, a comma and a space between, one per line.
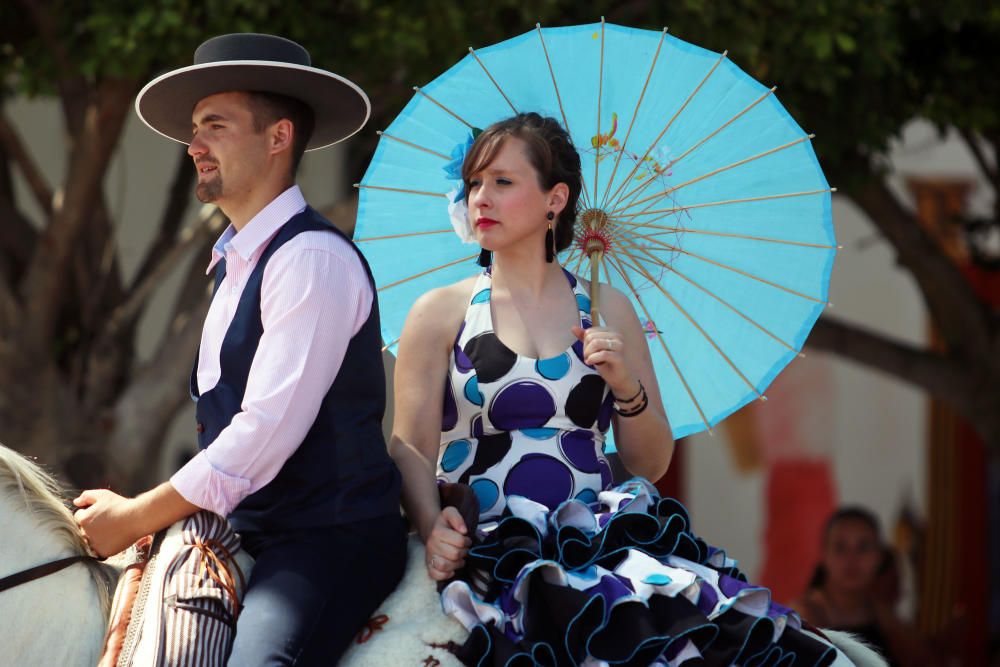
253, 62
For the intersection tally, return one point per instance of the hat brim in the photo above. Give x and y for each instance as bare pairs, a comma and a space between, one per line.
341, 108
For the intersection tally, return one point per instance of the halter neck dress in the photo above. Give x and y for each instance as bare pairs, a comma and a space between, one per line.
565, 568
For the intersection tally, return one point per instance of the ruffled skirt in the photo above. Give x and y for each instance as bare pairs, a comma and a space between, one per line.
622, 581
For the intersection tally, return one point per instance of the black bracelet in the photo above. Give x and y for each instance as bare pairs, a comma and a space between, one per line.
636, 410
629, 400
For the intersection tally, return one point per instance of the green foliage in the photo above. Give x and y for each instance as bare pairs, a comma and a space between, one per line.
852, 71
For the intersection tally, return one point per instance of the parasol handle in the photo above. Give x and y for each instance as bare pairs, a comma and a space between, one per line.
595, 286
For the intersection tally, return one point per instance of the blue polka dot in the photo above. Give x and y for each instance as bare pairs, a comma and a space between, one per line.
486, 492
455, 454
553, 368
472, 392
587, 496
583, 302
539, 433
482, 297
657, 579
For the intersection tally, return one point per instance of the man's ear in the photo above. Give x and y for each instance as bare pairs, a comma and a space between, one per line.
282, 135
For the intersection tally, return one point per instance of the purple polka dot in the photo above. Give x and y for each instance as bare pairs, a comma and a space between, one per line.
477, 426
606, 476
578, 349
541, 478
522, 404
449, 415
579, 449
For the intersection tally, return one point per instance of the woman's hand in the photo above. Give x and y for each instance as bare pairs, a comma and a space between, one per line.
604, 349
447, 545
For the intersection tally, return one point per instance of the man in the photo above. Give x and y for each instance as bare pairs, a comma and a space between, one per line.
289, 380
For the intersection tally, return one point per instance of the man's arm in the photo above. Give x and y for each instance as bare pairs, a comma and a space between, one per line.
112, 523
312, 303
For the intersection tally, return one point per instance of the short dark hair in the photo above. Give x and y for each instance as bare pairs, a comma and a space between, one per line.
550, 151
268, 108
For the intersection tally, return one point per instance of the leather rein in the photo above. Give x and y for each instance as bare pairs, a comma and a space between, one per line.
39, 571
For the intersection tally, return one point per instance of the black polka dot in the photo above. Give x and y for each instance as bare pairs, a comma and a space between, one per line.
584, 402
490, 450
491, 358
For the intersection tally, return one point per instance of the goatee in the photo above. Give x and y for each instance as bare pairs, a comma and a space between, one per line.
209, 191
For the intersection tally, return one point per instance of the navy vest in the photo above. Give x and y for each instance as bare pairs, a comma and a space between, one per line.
341, 472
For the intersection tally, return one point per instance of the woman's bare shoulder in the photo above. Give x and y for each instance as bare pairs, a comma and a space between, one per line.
440, 309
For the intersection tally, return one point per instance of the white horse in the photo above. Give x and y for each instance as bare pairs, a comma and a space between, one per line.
61, 619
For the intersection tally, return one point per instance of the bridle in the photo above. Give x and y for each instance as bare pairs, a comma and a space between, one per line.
39, 571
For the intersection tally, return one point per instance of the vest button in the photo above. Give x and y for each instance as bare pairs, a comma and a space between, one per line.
200, 428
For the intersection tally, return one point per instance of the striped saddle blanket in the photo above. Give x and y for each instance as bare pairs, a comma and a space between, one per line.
178, 597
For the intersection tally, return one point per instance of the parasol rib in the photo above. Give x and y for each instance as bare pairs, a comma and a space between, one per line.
714, 172
663, 343
425, 193
388, 345
600, 94
400, 236
666, 127
700, 143
744, 200
424, 273
494, 81
635, 114
731, 307
555, 86
748, 237
733, 269
708, 337
412, 145
444, 108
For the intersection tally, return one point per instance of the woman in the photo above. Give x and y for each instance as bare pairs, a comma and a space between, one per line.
563, 566
852, 589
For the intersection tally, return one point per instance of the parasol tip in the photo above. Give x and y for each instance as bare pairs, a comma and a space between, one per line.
763, 397
829, 304
357, 185
725, 53
602, 19
812, 136
840, 247
538, 26
471, 49
416, 88
833, 189
378, 132
774, 88
801, 355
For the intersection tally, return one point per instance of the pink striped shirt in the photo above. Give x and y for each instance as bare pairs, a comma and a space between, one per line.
315, 296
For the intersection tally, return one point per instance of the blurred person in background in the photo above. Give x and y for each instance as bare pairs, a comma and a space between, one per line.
856, 587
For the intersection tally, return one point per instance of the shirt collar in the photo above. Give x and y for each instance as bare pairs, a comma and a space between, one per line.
260, 228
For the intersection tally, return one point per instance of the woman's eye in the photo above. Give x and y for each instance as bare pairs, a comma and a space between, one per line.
503, 181
474, 183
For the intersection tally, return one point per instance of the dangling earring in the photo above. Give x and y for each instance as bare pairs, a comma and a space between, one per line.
550, 239
485, 258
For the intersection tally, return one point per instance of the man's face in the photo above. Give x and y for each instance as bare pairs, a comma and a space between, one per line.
227, 152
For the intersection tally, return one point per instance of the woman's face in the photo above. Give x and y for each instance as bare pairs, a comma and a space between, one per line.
506, 203
852, 554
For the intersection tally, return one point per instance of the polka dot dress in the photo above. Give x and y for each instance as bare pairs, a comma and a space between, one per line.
514, 425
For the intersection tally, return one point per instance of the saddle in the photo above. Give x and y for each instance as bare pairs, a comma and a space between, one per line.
179, 596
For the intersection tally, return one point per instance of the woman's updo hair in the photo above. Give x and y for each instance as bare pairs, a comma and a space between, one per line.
549, 150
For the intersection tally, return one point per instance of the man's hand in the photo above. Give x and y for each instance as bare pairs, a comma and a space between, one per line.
112, 523
109, 522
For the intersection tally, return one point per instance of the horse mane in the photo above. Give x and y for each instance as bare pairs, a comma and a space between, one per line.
44, 498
